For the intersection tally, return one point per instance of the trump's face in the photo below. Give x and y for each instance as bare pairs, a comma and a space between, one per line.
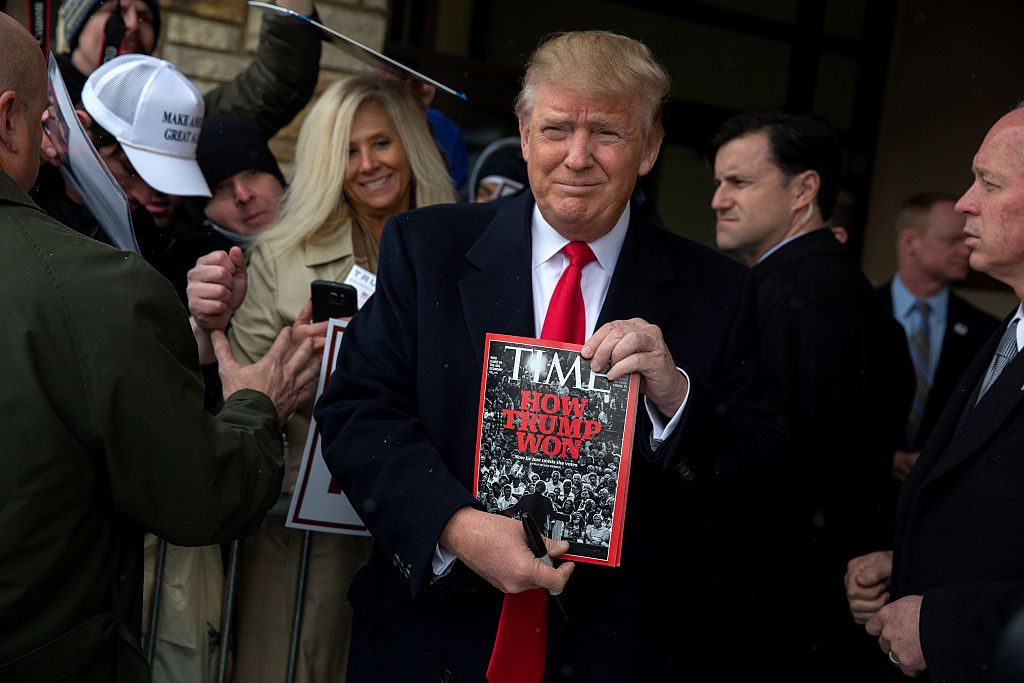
584, 154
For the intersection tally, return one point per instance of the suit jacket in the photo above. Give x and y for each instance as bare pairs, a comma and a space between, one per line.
967, 328
399, 427
841, 366
960, 520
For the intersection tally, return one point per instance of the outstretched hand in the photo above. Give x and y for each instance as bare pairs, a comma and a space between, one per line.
287, 382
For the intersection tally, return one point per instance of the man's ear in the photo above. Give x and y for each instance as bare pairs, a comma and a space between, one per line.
906, 238
524, 138
649, 156
806, 186
10, 121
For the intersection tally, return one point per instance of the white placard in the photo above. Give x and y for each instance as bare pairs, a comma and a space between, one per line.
317, 502
364, 281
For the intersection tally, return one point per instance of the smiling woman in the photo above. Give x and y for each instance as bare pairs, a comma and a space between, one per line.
378, 176
364, 153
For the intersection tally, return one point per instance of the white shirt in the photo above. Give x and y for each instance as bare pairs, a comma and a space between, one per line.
781, 244
1020, 328
548, 264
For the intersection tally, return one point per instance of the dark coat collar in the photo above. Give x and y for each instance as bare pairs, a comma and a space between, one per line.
816, 242
964, 427
10, 193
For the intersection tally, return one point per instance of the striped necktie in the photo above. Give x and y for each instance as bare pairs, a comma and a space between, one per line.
1005, 352
921, 356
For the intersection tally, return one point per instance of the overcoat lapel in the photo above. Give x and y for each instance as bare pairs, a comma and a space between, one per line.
636, 289
974, 425
499, 297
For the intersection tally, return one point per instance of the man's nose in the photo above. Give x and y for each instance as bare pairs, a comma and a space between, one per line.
578, 155
131, 19
720, 200
242, 192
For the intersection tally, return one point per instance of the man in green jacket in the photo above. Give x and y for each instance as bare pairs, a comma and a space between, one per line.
104, 430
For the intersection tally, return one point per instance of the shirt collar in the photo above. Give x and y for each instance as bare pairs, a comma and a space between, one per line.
903, 301
781, 244
547, 241
1020, 328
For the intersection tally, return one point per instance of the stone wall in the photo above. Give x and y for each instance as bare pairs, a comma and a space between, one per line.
212, 40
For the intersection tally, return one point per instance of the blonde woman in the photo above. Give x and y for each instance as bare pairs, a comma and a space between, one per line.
364, 154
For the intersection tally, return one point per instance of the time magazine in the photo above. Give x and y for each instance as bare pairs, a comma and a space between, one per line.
554, 439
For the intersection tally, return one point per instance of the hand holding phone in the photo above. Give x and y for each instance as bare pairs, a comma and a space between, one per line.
332, 300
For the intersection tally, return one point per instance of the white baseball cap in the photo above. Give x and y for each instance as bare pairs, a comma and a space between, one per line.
156, 114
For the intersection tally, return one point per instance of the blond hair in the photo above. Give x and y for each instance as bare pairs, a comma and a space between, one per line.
314, 208
598, 63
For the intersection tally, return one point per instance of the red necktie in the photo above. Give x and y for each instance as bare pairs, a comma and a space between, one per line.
520, 648
566, 320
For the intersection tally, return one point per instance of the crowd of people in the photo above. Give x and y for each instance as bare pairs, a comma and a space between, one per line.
824, 480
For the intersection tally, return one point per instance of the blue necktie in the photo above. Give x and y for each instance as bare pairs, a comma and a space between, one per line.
921, 355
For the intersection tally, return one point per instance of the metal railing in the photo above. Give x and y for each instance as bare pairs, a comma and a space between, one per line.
228, 605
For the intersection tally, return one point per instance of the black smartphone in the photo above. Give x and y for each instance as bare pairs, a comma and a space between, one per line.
332, 300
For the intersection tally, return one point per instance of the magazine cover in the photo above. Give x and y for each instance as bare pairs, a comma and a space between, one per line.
554, 439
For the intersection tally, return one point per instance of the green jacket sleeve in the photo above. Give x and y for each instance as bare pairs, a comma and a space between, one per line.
279, 82
190, 477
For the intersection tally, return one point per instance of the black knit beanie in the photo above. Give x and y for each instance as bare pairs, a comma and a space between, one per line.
229, 145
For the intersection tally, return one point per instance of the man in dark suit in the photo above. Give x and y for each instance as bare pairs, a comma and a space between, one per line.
399, 417
538, 505
833, 356
944, 332
938, 601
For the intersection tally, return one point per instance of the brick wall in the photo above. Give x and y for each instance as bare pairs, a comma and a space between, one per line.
212, 40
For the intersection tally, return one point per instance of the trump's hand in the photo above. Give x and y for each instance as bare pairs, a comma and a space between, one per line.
495, 547
637, 346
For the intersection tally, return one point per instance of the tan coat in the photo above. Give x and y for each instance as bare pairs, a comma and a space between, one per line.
278, 289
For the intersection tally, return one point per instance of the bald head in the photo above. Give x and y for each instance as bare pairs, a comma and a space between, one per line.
22, 101
994, 203
22, 67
